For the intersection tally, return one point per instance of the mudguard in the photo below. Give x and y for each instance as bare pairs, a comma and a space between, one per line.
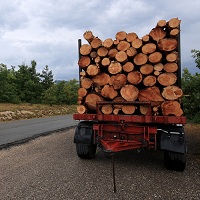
171, 138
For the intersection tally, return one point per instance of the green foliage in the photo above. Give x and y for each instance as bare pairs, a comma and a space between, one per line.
196, 55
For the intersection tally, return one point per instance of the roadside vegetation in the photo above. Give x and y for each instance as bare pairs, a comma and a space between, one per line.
25, 93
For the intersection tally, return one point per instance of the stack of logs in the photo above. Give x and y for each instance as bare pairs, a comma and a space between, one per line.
130, 68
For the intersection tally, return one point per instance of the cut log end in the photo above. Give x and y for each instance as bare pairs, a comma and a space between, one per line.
81, 109
171, 108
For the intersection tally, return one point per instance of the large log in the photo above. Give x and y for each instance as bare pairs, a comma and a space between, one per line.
105, 62
149, 81
92, 70
174, 23
88, 35
129, 92
118, 81
151, 94
102, 51
123, 45
131, 52
84, 61
91, 99
108, 43
114, 67
172, 57
172, 92
106, 109
167, 44
112, 53
131, 36
145, 38
128, 109
158, 67
109, 92
128, 67
86, 83
101, 79
82, 92
140, 59
157, 33
170, 67
148, 48
137, 43
81, 109
161, 23
146, 69
96, 43
134, 77
121, 56
174, 32
171, 108
121, 35
167, 79
85, 49
155, 57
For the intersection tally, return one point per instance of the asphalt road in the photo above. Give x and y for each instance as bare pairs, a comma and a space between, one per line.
23, 130
48, 168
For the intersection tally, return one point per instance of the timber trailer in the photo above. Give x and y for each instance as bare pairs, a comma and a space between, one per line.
115, 133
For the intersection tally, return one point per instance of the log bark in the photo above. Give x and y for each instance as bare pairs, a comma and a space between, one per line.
96, 43
106, 109
108, 43
115, 67
131, 52
91, 99
86, 83
131, 36
171, 108
112, 53
128, 110
118, 81
151, 94
92, 70
121, 35
85, 49
137, 43
81, 109
172, 92
105, 62
84, 61
167, 79
149, 81
134, 77
128, 67
172, 57
123, 45
174, 23
148, 48
155, 57
82, 92
146, 69
101, 79
170, 67
109, 92
157, 33
88, 35
121, 56
129, 92
140, 59
102, 51
167, 44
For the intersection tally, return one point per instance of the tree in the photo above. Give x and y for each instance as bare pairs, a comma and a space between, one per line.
46, 78
196, 55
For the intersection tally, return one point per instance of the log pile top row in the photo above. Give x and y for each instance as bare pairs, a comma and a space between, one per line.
129, 68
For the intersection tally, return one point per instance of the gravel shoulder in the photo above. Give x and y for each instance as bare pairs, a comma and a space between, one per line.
48, 168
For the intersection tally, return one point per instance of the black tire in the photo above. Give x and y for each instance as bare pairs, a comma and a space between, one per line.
86, 151
175, 161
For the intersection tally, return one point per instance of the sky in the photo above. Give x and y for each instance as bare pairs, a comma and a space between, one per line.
47, 31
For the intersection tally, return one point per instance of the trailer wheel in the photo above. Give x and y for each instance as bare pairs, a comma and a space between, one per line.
174, 161
86, 151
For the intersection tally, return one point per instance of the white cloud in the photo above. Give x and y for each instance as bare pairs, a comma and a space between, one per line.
48, 30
